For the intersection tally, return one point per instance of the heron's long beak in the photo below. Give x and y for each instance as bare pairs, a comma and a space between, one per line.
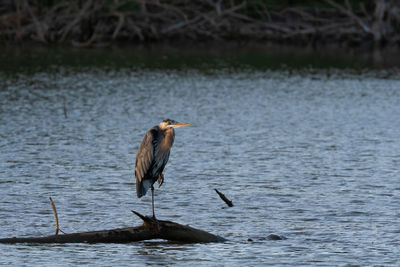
180, 124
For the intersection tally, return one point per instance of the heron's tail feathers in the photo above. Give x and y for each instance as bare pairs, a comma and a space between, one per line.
142, 187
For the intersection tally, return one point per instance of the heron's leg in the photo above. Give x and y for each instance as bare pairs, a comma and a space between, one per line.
152, 200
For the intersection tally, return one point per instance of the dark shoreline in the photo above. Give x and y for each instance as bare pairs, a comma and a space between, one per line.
204, 57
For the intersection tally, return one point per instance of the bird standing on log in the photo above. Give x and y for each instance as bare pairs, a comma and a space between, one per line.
153, 155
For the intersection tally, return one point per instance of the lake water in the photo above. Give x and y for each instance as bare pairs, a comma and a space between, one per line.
310, 155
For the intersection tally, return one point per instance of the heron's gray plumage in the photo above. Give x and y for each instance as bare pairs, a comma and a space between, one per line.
152, 156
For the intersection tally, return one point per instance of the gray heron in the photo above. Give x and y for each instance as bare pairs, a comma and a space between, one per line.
153, 155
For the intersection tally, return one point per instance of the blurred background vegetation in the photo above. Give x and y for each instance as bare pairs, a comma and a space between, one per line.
370, 24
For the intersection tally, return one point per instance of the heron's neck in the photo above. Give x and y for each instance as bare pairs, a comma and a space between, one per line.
169, 137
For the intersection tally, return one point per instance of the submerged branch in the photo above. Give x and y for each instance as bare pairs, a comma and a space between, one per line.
224, 198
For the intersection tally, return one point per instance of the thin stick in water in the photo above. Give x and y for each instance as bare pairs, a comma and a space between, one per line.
55, 216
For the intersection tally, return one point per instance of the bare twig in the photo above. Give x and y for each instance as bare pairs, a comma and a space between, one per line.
77, 19
55, 216
350, 13
137, 30
38, 25
121, 21
325, 28
377, 24
164, 6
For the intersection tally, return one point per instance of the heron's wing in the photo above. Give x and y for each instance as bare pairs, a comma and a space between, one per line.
145, 155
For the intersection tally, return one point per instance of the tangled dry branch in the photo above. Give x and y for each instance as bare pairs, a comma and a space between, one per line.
91, 23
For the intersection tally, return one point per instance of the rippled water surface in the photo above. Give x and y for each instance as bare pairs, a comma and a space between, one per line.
311, 157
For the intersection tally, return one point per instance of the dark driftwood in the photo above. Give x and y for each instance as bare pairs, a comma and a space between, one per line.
150, 229
224, 198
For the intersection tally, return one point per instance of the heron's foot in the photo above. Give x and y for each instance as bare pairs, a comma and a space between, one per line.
153, 217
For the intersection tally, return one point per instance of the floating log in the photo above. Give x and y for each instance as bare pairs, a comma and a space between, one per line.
150, 229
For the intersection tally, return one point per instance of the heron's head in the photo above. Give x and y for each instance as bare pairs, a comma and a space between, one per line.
165, 124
